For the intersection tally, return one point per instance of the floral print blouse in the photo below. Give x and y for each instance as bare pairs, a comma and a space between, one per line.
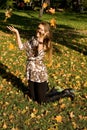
36, 70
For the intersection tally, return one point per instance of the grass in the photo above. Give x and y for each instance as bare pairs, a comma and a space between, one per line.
69, 69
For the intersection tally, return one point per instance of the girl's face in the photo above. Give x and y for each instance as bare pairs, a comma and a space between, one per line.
40, 31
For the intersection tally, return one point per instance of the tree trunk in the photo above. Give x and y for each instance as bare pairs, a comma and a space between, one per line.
42, 9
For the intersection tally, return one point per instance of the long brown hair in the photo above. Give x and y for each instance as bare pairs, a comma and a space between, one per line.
47, 41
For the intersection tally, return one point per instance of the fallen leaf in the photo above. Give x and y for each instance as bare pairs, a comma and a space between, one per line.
1, 87
58, 118
35, 111
23, 111
71, 115
33, 115
77, 77
74, 125
4, 125
62, 106
14, 128
11, 46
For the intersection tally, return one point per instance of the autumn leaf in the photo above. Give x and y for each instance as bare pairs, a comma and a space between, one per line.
77, 77
58, 119
11, 46
8, 14
55, 104
23, 111
14, 128
35, 111
45, 5
33, 115
53, 22
74, 125
53, 128
82, 117
4, 125
62, 106
85, 84
26, 1
1, 87
71, 114
11, 117
51, 10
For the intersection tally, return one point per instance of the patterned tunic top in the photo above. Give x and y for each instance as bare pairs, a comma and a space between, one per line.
36, 70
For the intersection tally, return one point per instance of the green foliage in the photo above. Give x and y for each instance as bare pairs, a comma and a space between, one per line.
6, 3
9, 3
84, 3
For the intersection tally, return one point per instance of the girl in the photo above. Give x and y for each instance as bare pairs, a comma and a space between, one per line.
36, 70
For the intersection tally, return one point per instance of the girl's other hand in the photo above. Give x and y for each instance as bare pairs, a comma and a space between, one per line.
11, 28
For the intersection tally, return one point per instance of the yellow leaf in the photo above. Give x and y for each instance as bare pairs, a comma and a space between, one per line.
71, 115
58, 118
26, 1
11, 46
77, 77
51, 10
11, 116
53, 22
80, 117
4, 126
49, 65
55, 104
63, 106
85, 84
45, 5
57, 66
33, 115
85, 129
74, 125
8, 13
53, 128
14, 128
35, 111
1, 87
24, 111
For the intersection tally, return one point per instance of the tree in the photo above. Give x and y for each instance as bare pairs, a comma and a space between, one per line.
44, 5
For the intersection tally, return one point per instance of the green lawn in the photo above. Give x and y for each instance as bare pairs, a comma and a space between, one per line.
69, 69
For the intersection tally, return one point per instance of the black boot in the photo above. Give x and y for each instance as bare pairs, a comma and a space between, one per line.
52, 92
54, 95
68, 93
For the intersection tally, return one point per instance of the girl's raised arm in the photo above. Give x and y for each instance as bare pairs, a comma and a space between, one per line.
18, 38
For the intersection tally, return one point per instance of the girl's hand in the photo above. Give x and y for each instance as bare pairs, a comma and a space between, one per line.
11, 28
41, 37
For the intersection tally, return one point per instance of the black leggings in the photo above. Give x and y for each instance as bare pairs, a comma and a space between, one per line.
40, 92
37, 91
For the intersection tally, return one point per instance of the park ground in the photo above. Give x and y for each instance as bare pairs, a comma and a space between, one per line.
69, 69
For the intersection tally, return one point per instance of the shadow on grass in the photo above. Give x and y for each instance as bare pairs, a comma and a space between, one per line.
16, 82
68, 37
27, 25
76, 16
